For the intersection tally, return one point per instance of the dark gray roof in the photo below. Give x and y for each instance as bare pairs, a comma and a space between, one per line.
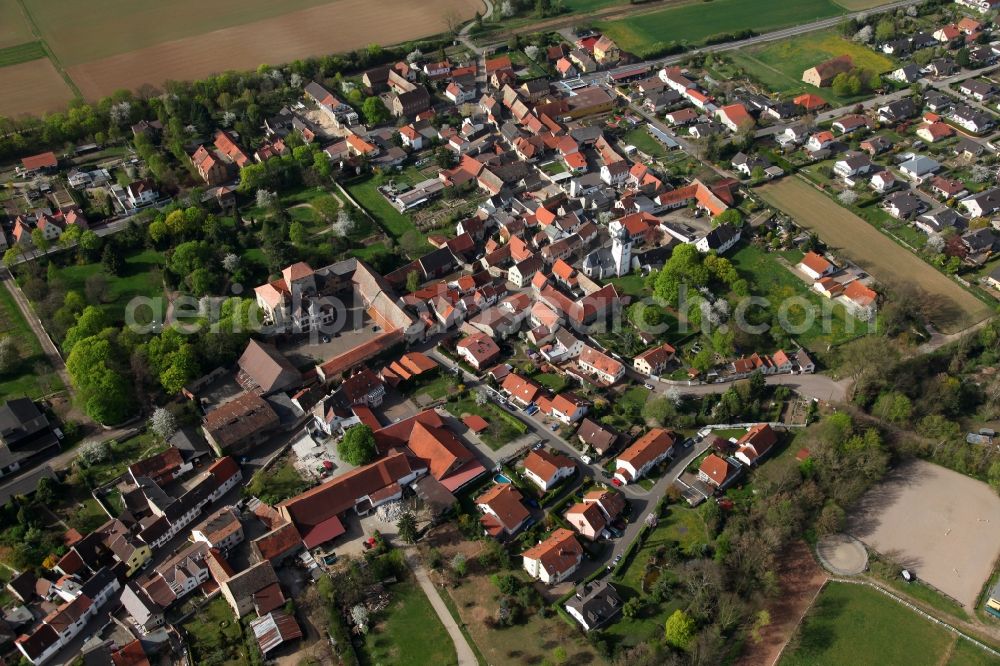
597, 602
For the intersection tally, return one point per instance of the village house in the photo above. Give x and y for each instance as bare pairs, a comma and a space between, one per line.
655, 360
599, 437
504, 513
600, 366
596, 603
564, 407
815, 266
648, 451
546, 469
587, 520
823, 74
554, 559
478, 350
755, 444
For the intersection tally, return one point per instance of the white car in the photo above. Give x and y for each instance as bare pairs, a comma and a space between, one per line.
585, 459
649, 386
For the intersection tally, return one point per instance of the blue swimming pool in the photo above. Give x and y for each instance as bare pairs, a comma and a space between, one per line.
500, 478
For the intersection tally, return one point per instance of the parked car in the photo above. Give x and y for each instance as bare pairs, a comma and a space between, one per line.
554, 427
537, 445
649, 386
585, 459
616, 483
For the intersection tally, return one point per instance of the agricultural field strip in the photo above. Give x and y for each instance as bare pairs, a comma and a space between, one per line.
866, 245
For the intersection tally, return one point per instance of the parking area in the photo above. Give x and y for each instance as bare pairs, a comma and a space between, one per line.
935, 522
316, 348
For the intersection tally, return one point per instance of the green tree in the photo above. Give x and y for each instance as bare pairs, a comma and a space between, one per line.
893, 407
730, 216
297, 233
679, 629
357, 446
374, 111
90, 322
407, 527
39, 240
101, 388
412, 281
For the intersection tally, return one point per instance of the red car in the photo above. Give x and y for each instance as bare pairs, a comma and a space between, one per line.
616, 483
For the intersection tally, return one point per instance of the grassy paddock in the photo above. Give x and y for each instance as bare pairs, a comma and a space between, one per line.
140, 277
33, 376
851, 624
780, 64
694, 23
408, 631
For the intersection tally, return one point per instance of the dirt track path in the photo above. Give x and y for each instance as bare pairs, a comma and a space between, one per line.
801, 580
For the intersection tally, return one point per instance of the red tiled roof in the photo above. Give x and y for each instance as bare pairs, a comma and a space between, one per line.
505, 501
715, 467
40, 161
475, 423
557, 554
650, 446
816, 263
277, 542
544, 465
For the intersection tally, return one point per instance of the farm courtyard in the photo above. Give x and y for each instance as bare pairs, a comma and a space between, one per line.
936, 522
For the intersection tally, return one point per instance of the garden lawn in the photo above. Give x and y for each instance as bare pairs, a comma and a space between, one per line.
684, 525
853, 624
89, 517
632, 285
214, 635
529, 642
123, 454
140, 276
503, 428
277, 483
551, 381
771, 279
33, 376
394, 222
436, 388
408, 632
695, 22
640, 137
780, 64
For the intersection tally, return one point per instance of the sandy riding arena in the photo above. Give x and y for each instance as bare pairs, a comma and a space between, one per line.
939, 523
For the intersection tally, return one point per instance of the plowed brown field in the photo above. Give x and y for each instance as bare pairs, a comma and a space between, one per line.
332, 28
32, 87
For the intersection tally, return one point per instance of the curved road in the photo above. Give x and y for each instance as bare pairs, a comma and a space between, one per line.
820, 387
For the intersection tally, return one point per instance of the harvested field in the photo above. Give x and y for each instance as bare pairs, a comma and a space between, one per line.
800, 579
935, 522
334, 27
14, 29
38, 85
891, 264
